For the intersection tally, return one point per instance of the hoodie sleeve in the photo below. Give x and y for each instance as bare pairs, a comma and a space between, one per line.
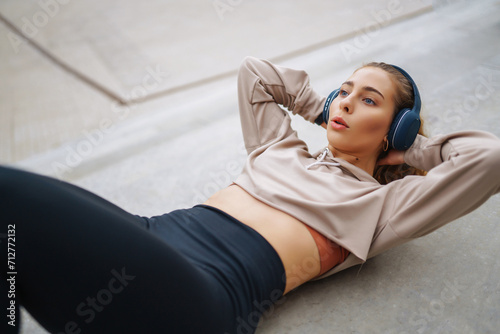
463, 172
262, 87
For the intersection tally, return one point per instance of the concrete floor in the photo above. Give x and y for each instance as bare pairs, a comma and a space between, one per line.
170, 146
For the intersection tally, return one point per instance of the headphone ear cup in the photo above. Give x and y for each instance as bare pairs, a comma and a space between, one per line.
328, 102
404, 129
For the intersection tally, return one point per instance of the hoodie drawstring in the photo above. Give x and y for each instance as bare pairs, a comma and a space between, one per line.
321, 162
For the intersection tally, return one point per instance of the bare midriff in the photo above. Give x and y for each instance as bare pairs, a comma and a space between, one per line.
287, 235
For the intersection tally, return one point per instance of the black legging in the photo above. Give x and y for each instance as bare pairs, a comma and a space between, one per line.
86, 266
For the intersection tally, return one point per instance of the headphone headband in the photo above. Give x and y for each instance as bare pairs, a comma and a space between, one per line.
417, 104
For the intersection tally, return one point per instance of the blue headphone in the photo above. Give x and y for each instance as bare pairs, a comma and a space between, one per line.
404, 127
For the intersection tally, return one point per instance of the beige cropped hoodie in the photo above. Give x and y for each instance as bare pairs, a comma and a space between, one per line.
340, 200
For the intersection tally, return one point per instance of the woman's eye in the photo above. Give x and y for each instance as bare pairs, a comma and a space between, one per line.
370, 101
343, 93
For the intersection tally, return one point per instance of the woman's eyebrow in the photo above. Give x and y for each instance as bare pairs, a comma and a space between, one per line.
368, 88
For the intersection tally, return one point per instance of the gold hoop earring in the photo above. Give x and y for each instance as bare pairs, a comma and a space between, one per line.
386, 146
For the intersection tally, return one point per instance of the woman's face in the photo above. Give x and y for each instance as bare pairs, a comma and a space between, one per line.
360, 116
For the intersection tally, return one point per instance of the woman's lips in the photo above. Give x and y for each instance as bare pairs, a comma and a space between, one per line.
338, 123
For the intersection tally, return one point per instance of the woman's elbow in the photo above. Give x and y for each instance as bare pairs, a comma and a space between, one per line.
490, 163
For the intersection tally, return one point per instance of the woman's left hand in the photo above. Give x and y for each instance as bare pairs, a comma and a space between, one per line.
394, 157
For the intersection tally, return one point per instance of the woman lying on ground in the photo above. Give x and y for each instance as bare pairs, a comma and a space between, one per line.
85, 265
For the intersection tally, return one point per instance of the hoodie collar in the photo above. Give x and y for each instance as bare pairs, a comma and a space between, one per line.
326, 158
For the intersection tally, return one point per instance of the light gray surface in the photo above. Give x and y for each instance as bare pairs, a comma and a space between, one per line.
113, 41
134, 50
174, 151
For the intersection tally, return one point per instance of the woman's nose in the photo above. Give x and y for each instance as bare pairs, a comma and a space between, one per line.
345, 104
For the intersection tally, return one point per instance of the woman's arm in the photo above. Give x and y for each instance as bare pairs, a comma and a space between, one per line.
463, 172
262, 87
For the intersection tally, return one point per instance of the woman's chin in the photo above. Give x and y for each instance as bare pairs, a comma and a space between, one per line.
338, 139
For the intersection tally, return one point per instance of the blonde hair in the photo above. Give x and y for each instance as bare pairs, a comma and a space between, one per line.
403, 98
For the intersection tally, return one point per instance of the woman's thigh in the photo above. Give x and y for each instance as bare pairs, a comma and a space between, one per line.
84, 264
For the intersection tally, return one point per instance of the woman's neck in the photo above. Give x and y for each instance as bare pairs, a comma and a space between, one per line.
365, 162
